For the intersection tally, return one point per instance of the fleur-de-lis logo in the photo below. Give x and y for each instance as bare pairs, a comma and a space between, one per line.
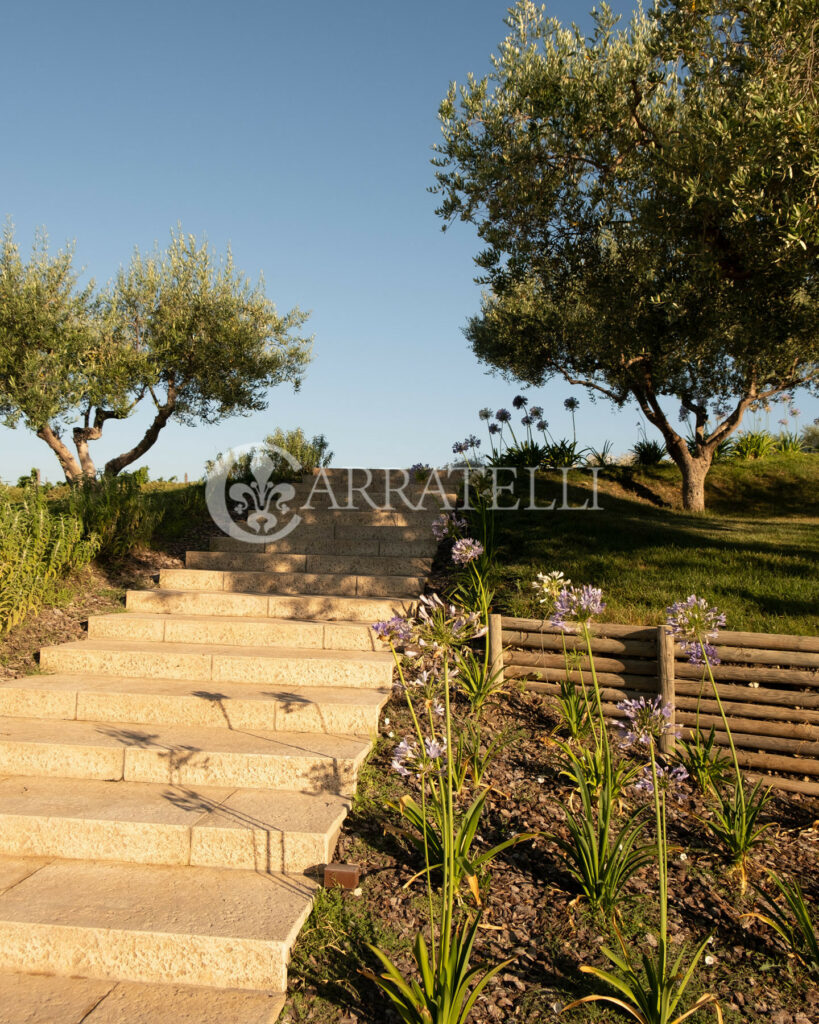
260, 511
256, 500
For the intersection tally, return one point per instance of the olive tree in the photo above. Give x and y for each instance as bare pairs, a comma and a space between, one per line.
178, 329
648, 200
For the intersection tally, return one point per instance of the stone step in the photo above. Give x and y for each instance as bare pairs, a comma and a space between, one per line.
245, 631
149, 823
308, 534
290, 584
345, 710
49, 999
319, 544
324, 608
148, 923
221, 663
181, 755
363, 515
346, 565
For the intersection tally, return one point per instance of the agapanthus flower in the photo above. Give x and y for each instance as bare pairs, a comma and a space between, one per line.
485, 414
435, 748
448, 524
405, 751
466, 550
441, 626
503, 415
397, 630
668, 778
645, 720
550, 584
527, 420
571, 404
520, 401
694, 625
535, 411
542, 424
494, 428
577, 604
460, 447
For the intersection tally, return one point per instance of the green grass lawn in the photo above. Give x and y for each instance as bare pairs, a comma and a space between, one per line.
754, 553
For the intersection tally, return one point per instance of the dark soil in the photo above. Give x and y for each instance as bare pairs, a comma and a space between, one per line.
531, 909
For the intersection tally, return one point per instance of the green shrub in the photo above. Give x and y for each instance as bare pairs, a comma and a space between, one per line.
810, 436
789, 444
38, 549
753, 444
116, 510
179, 506
648, 452
311, 454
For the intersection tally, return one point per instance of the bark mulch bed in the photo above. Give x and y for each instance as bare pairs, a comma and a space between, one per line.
531, 909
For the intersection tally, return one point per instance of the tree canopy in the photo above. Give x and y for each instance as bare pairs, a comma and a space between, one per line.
180, 329
648, 199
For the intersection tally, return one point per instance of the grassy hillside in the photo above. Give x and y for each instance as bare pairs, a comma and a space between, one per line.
754, 553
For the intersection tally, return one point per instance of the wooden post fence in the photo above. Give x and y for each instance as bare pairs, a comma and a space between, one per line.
768, 684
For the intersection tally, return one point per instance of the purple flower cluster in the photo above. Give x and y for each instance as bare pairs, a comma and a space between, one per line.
407, 759
520, 401
694, 624
405, 751
485, 414
645, 720
494, 428
448, 524
460, 447
503, 415
577, 604
527, 420
396, 630
466, 550
535, 411
667, 778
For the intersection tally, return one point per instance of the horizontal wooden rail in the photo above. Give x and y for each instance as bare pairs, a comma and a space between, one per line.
768, 684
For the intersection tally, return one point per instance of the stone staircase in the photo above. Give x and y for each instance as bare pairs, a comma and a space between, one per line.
171, 785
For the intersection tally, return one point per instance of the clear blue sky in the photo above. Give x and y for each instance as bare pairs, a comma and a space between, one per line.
300, 134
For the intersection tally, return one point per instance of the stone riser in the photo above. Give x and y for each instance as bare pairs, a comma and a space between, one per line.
49, 999
318, 565
291, 584
340, 531
304, 606
238, 630
134, 754
183, 661
168, 702
206, 827
323, 543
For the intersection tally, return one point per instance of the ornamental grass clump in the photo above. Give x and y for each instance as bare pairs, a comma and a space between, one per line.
735, 817
652, 992
446, 986
790, 917
600, 855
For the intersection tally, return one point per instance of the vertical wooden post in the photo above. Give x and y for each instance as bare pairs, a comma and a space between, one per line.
494, 639
665, 671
